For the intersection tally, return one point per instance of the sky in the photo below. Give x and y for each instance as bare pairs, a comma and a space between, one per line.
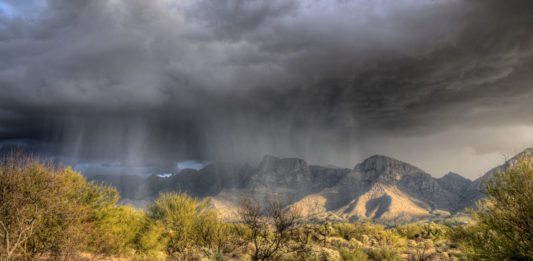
445, 85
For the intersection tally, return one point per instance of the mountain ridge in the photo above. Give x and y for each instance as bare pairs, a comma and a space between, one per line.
379, 188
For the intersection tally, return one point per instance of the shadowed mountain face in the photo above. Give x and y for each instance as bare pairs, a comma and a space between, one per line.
380, 188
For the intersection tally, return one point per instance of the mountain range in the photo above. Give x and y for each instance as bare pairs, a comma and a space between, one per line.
380, 188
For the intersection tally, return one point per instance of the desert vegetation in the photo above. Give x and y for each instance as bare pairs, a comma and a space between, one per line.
503, 222
49, 212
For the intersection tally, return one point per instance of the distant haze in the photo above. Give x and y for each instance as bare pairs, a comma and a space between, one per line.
446, 85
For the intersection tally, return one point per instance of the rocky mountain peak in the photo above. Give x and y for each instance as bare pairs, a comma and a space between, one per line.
285, 165
454, 183
269, 162
384, 168
381, 163
453, 177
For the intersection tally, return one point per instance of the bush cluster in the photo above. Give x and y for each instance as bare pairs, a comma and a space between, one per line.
51, 212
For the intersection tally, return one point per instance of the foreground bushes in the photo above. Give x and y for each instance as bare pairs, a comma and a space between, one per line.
50, 212
47, 210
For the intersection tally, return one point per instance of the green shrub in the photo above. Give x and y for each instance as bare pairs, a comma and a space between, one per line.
116, 229
350, 230
429, 230
409, 231
150, 242
187, 221
353, 255
382, 254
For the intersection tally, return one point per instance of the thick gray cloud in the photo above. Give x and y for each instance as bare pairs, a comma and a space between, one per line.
442, 84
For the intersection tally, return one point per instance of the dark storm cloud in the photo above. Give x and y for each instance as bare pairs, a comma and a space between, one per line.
329, 81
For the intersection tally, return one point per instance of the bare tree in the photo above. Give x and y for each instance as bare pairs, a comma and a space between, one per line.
270, 227
15, 235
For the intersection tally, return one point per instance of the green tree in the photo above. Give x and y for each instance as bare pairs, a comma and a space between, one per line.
44, 208
504, 220
72, 218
